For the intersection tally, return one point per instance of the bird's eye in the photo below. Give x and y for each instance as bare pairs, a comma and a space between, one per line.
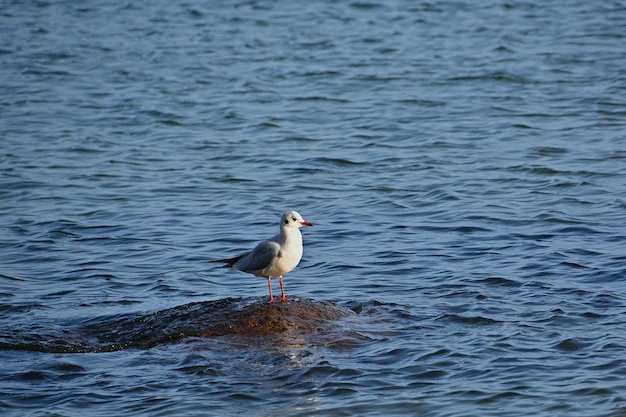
293, 218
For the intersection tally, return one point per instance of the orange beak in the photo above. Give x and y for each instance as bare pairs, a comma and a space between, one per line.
305, 223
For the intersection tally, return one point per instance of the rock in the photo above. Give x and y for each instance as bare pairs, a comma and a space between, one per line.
227, 317
303, 320
264, 318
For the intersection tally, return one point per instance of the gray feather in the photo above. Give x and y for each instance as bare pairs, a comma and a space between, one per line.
260, 257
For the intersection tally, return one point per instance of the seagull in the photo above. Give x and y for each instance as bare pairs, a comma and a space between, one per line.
276, 256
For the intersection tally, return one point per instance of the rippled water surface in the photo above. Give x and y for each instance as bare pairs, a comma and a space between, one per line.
464, 165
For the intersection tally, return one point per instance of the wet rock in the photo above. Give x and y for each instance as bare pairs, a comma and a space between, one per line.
263, 318
227, 317
232, 317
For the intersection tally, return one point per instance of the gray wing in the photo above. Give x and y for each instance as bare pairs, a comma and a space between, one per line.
260, 257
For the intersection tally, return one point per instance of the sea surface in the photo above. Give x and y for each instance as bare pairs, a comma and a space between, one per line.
463, 163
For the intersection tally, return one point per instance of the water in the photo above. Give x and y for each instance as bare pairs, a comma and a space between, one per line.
463, 164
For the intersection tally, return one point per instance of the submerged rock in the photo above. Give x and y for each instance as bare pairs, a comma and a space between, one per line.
263, 318
227, 317
233, 317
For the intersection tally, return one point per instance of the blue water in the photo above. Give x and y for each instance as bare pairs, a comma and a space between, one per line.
464, 165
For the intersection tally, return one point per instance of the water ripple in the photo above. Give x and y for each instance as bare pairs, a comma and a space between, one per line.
462, 163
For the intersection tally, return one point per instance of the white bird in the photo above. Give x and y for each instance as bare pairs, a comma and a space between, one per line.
276, 256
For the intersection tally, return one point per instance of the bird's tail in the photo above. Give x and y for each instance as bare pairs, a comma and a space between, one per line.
229, 262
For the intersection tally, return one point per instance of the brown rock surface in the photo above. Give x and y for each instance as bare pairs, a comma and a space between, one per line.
242, 321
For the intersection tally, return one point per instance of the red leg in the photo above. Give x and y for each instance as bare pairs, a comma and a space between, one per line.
282, 289
269, 284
